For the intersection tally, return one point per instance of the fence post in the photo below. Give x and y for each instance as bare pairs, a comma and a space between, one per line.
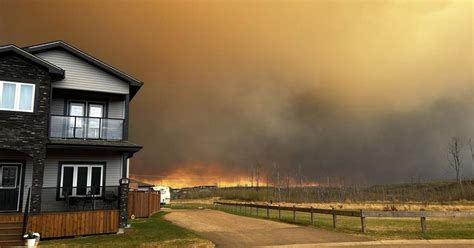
362, 221
279, 212
423, 224
294, 213
149, 204
334, 218
312, 219
268, 211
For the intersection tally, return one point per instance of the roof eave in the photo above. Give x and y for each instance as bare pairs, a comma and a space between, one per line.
56, 72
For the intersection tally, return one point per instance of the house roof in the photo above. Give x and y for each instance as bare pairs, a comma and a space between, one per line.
140, 183
135, 84
56, 72
119, 145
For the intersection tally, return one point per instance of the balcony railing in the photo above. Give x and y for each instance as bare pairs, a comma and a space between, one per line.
78, 127
55, 199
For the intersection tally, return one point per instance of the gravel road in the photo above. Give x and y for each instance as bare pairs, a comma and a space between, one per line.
228, 230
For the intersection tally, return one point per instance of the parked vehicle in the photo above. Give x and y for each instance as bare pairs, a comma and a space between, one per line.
165, 194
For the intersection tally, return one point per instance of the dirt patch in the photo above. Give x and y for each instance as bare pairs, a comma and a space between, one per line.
227, 230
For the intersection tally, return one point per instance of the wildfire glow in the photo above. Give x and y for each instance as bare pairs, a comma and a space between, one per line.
196, 174
200, 174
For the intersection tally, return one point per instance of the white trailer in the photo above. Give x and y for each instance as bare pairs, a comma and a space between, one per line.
165, 194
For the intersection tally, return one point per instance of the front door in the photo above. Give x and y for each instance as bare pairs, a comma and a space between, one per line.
10, 189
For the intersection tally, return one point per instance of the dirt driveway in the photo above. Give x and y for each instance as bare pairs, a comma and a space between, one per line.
228, 230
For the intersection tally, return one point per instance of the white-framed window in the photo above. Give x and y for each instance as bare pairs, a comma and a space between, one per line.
15, 96
81, 180
8, 175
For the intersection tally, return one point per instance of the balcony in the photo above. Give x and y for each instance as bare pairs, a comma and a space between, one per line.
78, 127
58, 199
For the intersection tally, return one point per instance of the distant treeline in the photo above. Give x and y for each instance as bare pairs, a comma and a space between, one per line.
418, 192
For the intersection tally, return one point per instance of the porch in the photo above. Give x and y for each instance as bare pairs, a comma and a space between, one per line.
59, 224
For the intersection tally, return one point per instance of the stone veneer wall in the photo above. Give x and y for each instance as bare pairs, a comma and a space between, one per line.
22, 131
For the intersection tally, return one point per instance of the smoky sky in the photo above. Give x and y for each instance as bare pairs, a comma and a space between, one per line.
356, 91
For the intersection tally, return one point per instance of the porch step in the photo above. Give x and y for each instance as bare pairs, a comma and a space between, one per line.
6, 225
11, 230
15, 243
10, 236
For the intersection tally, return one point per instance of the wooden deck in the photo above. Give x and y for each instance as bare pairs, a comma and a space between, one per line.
68, 224
11, 229
7, 217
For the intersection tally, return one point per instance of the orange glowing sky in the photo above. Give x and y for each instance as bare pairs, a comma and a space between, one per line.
363, 90
194, 174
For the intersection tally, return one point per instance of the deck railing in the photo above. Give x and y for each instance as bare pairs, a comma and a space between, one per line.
78, 127
64, 199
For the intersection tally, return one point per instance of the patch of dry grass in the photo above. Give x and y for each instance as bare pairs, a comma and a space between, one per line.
376, 206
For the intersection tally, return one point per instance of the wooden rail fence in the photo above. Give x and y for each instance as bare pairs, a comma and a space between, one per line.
143, 204
350, 213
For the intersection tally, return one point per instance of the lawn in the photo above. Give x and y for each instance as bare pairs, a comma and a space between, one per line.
152, 232
378, 228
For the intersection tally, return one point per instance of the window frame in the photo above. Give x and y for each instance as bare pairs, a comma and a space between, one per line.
16, 104
15, 165
75, 166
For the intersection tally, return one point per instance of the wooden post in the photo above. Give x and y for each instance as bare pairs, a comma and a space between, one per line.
279, 212
423, 224
268, 211
334, 218
362, 222
312, 219
149, 204
294, 213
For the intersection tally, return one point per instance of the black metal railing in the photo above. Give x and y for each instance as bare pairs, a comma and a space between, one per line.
26, 213
78, 127
61, 199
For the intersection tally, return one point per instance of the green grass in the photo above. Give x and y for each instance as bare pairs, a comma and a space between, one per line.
377, 228
151, 232
188, 205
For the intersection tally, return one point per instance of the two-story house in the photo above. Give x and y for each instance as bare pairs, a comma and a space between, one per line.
64, 145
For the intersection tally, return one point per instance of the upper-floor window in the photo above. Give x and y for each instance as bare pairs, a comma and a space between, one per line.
17, 96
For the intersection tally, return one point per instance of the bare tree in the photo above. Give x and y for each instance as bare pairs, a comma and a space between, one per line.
472, 158
252, 171
455, 158
278, 185
257, 175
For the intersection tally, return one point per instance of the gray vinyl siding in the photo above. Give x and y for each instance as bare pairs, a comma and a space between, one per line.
113, 173
57, 106
116, 109
81, 75
28, 181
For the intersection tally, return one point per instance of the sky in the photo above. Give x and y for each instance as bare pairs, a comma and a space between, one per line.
344, 91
